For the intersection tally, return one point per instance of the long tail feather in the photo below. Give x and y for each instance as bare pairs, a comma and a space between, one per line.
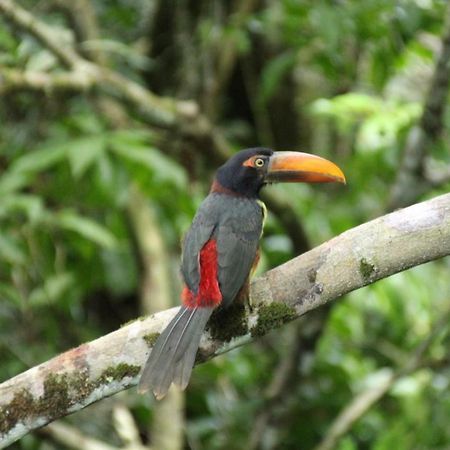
183, 369
173, 354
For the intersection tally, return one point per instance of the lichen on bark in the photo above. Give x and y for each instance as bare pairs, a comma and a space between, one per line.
272, 316
61, 391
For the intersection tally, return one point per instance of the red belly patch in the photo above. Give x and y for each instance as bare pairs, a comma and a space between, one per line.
208, 290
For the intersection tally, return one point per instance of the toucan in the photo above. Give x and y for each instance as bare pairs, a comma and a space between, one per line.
220, 250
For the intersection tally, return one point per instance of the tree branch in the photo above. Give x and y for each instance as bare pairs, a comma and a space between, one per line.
103, 367
162, 112
127, 429
82, 17
42, 32
74, 81
69, 436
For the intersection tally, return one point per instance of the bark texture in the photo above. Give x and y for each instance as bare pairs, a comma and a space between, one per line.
103, 367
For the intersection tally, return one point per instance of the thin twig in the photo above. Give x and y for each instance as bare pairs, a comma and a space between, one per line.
126, 428
162, 112
83, 21
50, 83
43, 33
70, 436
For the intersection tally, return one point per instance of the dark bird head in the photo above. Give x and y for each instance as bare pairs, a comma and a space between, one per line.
246, 172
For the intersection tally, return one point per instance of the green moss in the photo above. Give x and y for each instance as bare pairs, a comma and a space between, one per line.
151, 338
61, 391
228, 323
53, 403
117, 373
139, 319
272, 316
366, 269
56, 395
16, 410
81, 386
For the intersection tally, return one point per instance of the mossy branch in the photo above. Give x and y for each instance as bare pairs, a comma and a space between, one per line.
83, 75
112, 363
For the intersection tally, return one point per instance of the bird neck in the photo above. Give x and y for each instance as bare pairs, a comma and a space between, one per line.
219, 188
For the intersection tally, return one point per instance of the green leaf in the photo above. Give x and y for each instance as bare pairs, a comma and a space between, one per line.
273, 74
31, 205
87, 228
381, 129
39, 160
136, 150
12, 181
138, 153
7, 41
10, 293
84, 123
346, 443
52, 289
351, 106
239, 36
10, 251
84, 152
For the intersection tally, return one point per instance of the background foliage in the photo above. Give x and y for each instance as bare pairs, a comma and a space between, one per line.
344, 79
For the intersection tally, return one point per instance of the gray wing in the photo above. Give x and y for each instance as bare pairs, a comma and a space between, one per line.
236, 225
202, 228
237, 246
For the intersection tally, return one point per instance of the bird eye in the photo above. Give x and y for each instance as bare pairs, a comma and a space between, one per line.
259, 162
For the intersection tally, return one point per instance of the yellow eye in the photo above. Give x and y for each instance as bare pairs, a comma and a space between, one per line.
259, 162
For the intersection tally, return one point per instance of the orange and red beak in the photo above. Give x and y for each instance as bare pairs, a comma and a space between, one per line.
296, 167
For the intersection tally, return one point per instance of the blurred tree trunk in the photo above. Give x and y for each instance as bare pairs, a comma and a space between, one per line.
413, 177
167, 427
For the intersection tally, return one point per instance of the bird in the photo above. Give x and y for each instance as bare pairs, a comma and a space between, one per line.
220, 250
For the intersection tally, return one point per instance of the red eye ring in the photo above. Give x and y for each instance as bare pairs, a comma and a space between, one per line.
255, 161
